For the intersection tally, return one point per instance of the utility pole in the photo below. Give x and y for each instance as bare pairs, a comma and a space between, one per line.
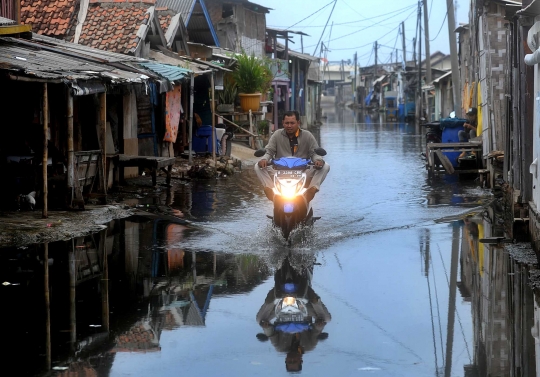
454, 58
376, 60
403, 43
414, 51
419, 101
396, 56
428, 56
355, 82
426, 33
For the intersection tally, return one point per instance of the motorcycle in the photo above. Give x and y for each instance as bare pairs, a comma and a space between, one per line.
291, 209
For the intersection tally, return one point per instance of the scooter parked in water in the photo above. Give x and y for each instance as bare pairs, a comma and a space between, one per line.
291, 209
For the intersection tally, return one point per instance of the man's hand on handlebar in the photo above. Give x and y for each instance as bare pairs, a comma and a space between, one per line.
318, 164
263, 163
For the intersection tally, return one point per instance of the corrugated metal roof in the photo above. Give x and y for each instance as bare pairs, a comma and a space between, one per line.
183, 7
6, 21
199, 31
84, 51
170, 72
24, 57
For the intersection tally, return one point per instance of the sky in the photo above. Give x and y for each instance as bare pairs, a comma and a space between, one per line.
359, 23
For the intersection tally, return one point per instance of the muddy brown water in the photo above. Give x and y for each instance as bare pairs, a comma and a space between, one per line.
183, 287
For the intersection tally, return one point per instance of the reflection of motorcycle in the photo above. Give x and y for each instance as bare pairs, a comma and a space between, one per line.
291, 208
293, 316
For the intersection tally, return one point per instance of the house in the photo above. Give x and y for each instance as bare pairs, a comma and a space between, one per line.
237, 25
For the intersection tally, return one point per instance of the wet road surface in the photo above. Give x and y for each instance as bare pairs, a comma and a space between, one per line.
399, 287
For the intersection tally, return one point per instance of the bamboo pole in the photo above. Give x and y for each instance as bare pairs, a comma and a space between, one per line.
213, 118
103, 139
48, 353
44, 213
70, 151
191, 90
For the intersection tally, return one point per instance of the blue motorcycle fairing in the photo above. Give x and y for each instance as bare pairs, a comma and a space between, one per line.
292, 327
291, 162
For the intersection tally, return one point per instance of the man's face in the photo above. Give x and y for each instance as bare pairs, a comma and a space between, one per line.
290, 124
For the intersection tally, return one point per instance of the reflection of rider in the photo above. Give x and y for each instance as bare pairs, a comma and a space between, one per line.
294, 337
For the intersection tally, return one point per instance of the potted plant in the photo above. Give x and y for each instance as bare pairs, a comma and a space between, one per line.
251, 75
262, 127
227, 96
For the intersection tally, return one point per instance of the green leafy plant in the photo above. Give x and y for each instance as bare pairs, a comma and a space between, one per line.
262, 127
251, 74
229, 92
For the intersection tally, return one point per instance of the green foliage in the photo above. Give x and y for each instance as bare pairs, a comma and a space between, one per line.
252, 74
229, 92
262, 127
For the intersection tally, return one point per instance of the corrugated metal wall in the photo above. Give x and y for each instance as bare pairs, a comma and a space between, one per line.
7, 9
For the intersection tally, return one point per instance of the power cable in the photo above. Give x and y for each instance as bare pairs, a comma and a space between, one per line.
328, 20
399, 11
446, 15
317, 11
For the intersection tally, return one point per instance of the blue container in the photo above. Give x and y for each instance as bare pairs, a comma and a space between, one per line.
450, 129
202, 140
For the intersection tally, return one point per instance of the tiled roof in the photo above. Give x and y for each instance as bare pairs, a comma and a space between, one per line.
165, 19
49, 17
113, 27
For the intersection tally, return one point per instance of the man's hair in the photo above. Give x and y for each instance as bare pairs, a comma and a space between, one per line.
291, 113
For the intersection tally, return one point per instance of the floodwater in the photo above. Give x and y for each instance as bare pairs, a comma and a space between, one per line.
396, 281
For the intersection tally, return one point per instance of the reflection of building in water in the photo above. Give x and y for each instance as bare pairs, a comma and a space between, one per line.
144, 268
501, 303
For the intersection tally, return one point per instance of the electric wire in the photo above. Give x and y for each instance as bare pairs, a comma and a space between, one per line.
446, 15
398, 11
305, 18
328, 20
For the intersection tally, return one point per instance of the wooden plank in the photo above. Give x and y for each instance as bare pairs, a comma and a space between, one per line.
455, 145
445, 162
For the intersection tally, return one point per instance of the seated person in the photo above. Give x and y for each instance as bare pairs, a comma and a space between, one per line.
287, 142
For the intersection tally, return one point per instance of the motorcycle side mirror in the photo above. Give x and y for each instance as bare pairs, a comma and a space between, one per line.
259, 152
453, 114
320, 151
322, 336
261, 337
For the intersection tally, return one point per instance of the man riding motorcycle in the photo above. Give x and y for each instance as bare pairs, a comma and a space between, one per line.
292, 141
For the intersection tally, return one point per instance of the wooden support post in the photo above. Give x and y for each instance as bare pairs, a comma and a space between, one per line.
251, 138
103, 140
212, 108
48, 357
70, 151
44, 213
191, 99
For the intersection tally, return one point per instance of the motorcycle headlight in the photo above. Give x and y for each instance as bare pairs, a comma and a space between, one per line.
289, 301
289, 191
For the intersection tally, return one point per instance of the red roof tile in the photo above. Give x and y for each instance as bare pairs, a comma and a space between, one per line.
49, 17
114, 27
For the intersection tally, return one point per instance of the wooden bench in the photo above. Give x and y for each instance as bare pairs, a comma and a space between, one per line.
149, 162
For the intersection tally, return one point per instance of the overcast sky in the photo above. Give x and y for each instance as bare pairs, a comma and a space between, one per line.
359, 23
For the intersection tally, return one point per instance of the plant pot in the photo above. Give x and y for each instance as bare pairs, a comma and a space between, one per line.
250, 101
226, 108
